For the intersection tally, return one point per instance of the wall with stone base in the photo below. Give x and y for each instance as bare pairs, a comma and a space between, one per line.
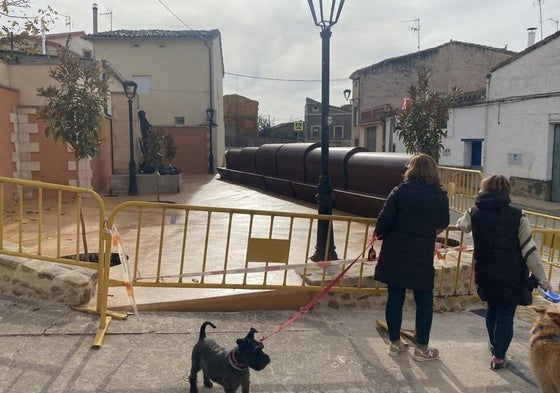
48, 281
448, 296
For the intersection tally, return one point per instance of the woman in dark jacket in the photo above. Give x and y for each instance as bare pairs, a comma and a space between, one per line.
504, 252
414, 212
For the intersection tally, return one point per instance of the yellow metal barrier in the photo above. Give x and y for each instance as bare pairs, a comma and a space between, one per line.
456, 250
462, 186
31, 208
167, 242
540, 221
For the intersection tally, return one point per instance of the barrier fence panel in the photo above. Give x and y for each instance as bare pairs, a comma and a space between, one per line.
30, 209
462, 186
454, 260
548, 246
186, 246
172, 245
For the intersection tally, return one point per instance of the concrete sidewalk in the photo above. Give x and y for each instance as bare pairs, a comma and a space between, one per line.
46, 347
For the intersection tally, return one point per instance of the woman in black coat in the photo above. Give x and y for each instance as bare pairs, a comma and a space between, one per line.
414, 212
504, 252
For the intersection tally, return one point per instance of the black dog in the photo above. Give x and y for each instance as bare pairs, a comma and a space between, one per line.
227, 368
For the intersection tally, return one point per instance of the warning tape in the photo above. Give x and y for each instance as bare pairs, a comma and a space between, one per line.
117, 242
440, 246
322, 293
284, 267
260, 269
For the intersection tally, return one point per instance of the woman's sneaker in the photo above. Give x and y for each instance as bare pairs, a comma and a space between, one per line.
426, 354
396, 347
497, 364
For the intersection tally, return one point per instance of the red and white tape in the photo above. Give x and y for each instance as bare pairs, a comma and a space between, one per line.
260, 269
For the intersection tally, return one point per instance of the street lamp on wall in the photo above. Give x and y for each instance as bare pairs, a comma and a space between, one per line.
210, 115
130, 92
325, 18
355, 107
347, 93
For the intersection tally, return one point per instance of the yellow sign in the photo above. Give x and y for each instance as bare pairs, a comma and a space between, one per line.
298, 126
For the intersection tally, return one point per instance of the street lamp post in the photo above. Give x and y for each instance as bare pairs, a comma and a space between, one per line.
325, 18
210, 114
130, 92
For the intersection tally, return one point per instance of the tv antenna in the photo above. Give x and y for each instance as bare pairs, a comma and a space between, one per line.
68, 22
540, 14
415, 28
555, 21
109, 14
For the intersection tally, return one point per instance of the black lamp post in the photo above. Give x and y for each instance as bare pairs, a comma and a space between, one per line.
325, 18
130, 92
210, 114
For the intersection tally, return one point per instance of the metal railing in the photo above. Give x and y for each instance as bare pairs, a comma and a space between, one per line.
30, 209
186, 246
462, 186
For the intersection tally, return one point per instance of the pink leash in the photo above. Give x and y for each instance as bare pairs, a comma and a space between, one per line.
317, 297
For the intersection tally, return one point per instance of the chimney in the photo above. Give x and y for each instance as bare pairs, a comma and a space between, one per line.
43, 39
531, 36
95, 18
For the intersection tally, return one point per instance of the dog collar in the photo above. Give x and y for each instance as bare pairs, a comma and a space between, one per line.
234, 363
548, 337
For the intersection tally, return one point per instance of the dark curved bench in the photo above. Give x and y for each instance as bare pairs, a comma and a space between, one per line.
361, 179
371, 177
338, 159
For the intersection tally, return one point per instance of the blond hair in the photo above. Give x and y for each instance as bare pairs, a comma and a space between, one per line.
422, 166
495, 183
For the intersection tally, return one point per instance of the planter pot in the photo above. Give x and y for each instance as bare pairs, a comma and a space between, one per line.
147, 183
94, 257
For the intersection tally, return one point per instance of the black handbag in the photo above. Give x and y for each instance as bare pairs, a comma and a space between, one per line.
372, 255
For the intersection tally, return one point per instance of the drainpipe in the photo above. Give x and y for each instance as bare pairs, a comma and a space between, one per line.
211, 106
486, 122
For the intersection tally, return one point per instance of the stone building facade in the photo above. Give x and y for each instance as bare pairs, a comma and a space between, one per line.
377, 86
340, 124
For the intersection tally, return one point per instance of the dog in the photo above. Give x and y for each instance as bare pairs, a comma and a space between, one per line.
227, 368
545, 349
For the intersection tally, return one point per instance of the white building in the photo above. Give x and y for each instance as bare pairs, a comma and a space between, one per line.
516, 131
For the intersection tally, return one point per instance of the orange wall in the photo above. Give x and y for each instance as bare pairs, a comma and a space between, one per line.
101, 164
53, 157
8, 99
192, 148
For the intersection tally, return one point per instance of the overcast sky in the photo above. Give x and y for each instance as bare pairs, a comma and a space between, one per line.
272, 49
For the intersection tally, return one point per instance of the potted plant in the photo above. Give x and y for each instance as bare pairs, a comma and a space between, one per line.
159, 151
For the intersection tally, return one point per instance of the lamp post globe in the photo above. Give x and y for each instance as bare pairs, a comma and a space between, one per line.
130, 87
325, 16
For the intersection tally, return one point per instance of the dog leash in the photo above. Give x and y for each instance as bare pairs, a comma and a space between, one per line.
322, 293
